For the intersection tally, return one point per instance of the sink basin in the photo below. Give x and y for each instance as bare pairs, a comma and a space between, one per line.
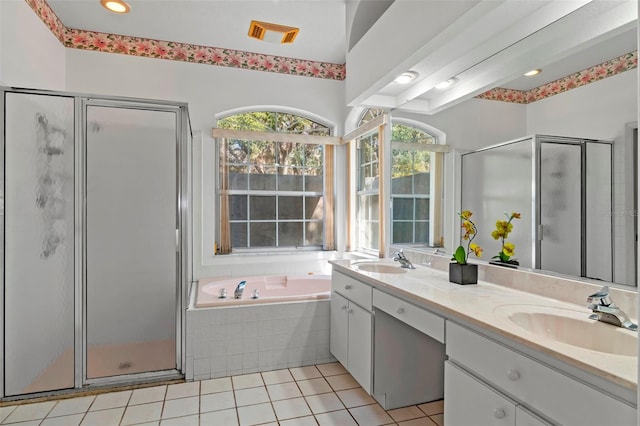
571, 327
379, 268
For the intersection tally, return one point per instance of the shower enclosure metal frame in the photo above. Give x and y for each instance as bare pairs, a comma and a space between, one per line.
535, 213
183, 232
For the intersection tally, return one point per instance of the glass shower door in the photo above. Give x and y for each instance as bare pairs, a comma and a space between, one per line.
131, 257
561, 207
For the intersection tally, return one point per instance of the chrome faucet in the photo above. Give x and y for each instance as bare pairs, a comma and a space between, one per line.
606, 311
237, 294
404, 262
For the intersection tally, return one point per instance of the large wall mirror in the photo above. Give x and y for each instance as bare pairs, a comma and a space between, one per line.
577, 188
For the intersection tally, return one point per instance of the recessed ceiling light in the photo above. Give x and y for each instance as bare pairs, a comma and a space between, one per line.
406, 77
116, 6
533, 72
273, 33
446, 84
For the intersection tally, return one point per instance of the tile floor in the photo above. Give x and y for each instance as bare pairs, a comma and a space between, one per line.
322, 395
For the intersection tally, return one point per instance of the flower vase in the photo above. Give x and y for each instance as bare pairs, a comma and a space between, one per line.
463, 274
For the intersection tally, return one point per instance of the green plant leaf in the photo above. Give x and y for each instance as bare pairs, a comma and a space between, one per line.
460, 255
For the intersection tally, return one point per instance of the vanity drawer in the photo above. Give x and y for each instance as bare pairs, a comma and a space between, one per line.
563, 399
430, 324
352, 289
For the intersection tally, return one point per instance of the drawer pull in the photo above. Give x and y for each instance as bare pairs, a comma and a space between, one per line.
350, 311
499, 413
513, 374
400, 310
347, 287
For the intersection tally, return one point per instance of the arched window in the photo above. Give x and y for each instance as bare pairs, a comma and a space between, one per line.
272, 193
416, 185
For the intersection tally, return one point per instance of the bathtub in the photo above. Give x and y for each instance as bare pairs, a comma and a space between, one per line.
287, 326
271, 289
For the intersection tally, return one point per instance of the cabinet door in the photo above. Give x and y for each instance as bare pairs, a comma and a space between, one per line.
360, 345
468, 401
525, 418
339, 329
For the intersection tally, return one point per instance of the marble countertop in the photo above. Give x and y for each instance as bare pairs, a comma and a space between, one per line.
489, 306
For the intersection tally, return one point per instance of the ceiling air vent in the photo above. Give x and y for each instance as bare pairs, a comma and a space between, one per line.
273, 33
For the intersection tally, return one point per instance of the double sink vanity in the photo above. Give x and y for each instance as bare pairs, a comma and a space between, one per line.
496, 354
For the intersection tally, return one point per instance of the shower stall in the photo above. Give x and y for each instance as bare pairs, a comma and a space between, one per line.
95, 230
563, 188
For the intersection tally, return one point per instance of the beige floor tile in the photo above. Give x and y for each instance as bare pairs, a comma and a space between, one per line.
256, 414
70, 420
103, 417
355, 397
69, 406
406, 413
300, 421
324, 402
222, 384
217, 401
277, 376
336, 418
228, 417
27, 412
183, 390
371, 415
283, 391
342, 382
431, 408
314, 386
331, 369
291, 408
181, 407
109, 400
29, 423
305, 373
146, 395
193, 420
5, 411
142, 413
156, 423
422, 421
247, 381
251, 396
438, 419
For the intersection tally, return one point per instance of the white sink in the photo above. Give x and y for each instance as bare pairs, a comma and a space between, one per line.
379, 268
571, 327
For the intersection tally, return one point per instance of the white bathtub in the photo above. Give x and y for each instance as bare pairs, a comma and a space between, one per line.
271, 289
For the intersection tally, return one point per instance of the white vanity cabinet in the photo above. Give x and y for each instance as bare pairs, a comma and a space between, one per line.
351, 327
500, 374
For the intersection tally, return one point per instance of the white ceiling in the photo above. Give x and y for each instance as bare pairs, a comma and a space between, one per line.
220, 23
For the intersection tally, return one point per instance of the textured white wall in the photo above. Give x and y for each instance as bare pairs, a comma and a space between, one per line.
30, 55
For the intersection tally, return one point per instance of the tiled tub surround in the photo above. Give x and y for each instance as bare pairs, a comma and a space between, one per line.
235, 340
475, 305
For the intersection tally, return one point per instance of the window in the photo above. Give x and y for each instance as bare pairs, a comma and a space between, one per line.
410, 184
415, 179
272, 193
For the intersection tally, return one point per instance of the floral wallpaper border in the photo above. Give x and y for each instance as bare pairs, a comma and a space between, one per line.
598, 72
135, 46
113, 43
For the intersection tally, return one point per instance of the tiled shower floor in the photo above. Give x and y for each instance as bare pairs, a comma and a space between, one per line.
316, 395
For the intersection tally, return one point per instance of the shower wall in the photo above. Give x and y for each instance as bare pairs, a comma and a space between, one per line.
39, 243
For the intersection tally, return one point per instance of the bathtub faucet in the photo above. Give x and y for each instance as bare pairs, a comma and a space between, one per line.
237, 294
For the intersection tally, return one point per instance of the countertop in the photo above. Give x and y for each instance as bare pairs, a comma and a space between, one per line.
487, 306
